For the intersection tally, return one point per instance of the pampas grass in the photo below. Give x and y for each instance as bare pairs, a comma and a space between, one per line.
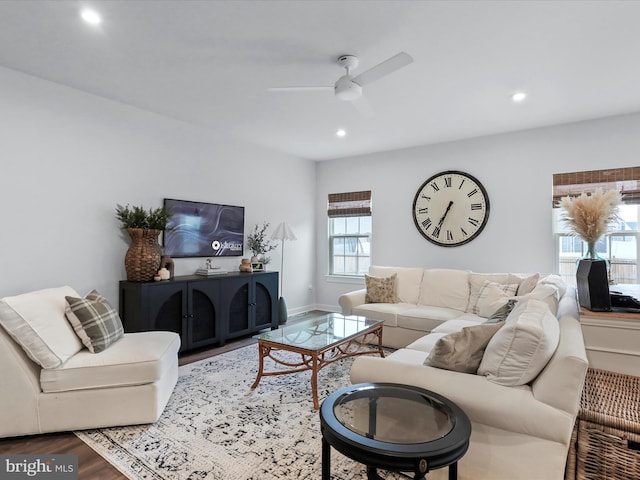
590, 216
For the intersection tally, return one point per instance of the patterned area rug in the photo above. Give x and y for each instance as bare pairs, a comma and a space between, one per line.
215, 427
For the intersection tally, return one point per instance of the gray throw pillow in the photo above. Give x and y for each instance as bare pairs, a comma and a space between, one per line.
462, 351
503, 312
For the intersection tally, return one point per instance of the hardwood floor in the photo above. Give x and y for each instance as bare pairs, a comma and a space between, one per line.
90, 464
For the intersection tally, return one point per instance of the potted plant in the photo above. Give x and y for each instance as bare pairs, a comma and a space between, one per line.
142, 259
258, 243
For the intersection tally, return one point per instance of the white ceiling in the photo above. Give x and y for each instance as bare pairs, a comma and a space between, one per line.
210, 63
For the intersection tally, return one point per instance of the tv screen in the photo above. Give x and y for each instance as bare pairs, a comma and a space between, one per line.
198, 229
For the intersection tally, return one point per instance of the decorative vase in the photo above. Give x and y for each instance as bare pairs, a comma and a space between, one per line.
283, 315
142, 260
591, 254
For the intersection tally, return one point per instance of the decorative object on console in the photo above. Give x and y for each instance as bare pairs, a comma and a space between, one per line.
590, 217
282, 232
451, 208
259, 245
245, 265
142, 259
167, 262
164, 274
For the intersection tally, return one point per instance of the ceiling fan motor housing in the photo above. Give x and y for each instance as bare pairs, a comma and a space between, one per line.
347, 89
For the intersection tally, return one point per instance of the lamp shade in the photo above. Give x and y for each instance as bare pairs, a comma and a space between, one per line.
283, 232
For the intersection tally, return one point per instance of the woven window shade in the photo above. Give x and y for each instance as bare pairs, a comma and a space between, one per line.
350, 204
625, 180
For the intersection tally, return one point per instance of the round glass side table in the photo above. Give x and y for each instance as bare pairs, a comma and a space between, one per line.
394, 427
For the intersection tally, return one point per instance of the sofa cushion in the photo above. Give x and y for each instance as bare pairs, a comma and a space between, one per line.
447, 288
408, 281
94, 321
136, 359
462, 351
520, 350
426, 343
425, 318
458, 324
387, 312
381, 289
36, 321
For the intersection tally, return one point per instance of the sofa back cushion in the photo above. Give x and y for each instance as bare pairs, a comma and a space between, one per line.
519, 351
408, 281
443, 287
37, 322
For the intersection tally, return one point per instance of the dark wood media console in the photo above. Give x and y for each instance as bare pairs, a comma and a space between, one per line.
202, 310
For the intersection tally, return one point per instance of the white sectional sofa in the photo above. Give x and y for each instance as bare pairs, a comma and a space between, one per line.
49, 380
524, 406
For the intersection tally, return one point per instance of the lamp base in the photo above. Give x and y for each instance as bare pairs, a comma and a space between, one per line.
282, 311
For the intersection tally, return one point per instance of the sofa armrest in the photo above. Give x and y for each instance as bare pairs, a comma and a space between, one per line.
350, 300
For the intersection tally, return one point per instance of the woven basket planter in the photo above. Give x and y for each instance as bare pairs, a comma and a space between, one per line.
142, 260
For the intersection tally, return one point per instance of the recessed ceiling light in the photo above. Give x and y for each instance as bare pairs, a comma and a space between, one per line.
518, 97
91, 17
341, 132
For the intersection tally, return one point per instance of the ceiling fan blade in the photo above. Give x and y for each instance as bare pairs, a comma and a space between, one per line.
390, 65
300, 89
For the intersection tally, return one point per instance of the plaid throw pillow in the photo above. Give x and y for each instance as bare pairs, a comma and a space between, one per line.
94, 321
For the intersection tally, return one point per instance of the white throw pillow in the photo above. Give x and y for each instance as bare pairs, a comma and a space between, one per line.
37, 322
519, 351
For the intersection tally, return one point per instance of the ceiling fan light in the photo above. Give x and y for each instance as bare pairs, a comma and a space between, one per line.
346, 89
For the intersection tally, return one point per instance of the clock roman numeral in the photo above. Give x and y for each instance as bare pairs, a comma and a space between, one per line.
423, 210
473, 222
428, 199
436, 232
426, 223
449, 235
435, 187
476, 206
447, 181
472, 192
461, 183
464, 234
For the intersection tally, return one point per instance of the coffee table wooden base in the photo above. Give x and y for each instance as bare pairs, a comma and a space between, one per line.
316, 360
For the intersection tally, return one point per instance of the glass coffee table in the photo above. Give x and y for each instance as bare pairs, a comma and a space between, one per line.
394, 427
320, 341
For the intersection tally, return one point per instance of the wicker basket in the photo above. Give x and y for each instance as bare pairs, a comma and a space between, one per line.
142, 259
606, 439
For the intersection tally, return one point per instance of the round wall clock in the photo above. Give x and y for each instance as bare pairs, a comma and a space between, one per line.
451, 208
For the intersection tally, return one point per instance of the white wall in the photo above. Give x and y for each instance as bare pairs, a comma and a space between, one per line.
515, 168
67, 158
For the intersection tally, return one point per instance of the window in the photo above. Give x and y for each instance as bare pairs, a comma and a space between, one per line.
620, 246
349, 233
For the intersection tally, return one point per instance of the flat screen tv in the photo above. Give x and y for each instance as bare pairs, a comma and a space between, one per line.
198, 229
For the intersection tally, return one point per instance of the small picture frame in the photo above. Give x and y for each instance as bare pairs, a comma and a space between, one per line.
257, 267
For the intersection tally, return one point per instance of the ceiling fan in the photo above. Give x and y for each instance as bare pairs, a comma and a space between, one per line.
348, 87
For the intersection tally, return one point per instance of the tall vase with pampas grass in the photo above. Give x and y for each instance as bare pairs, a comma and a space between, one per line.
591, 216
